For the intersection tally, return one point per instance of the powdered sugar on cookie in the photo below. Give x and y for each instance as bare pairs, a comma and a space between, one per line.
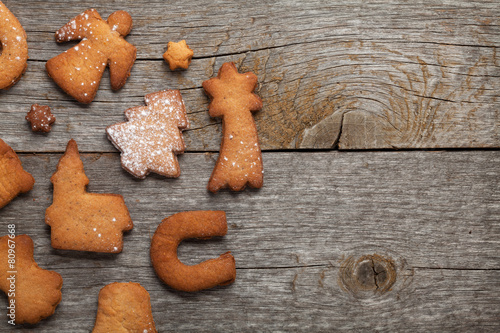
40, 118
151, 138
233, 98
80, 220
78, 70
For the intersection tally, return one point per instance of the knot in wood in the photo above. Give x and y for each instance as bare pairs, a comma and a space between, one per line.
367, 275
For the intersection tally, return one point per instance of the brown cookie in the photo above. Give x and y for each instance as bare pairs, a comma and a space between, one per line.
80, 220
14, 50
151, 138
180, 226
13, 178
33, 292
40, 118
178, 55
78, 71
240, 158
123, 308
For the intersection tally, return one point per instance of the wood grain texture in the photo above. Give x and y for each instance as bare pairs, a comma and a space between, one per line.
435, 214
351, 74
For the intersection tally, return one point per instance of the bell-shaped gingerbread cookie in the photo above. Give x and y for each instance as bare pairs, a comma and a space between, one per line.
123, 308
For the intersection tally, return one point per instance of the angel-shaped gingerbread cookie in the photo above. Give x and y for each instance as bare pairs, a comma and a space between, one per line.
151, 138
240, 158
33, 292
80, 220
78, 71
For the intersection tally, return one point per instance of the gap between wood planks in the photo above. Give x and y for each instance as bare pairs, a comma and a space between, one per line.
329, 265
295, 150
333, 39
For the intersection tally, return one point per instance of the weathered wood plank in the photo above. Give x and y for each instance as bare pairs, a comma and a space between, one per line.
353, 74
435, 214
350, 74
442, 301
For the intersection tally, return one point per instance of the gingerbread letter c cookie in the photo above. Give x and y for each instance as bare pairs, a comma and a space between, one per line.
123, 308
13, 178
240, 158
33, 292
180, 226
14, 50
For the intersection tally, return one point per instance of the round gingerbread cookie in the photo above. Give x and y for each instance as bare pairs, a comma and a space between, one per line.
14, 55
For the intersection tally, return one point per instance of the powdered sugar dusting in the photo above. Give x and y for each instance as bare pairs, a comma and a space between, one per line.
239, 161
88, 60
152, 136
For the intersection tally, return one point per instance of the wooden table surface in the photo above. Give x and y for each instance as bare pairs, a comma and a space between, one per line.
380, 134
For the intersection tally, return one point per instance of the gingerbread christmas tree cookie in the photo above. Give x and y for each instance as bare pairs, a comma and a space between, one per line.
80, 220
151, 138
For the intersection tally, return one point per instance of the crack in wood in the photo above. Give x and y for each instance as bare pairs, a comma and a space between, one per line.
375, 274
202, 127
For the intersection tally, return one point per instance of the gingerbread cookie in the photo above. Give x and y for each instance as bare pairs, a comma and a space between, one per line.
78, 71
14, 50
40, 118
178, 55
180, 226
240, 158
13, 178
123, 308
80, 220
151, 138
33, 292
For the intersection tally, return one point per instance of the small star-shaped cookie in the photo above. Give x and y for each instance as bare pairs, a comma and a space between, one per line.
40, 118
178, 55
